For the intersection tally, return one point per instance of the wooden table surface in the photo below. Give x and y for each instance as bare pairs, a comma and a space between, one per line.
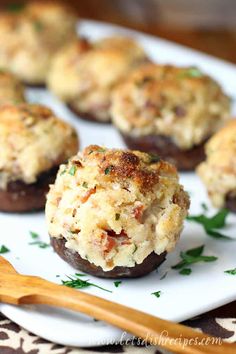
211, 28
206, 25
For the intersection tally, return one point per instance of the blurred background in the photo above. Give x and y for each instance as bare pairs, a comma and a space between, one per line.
207, 25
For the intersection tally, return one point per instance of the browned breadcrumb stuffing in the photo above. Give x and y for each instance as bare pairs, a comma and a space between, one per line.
122, 164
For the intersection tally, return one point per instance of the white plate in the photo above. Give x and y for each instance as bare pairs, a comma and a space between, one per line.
182, 296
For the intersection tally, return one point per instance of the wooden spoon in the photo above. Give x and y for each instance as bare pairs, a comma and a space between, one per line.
19, 289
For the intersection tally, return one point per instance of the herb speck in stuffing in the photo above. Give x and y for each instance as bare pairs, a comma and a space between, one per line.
72, 170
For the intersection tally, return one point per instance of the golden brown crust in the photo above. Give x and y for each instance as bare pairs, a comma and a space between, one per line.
45, 8
181, 103
88, 79
218, 172
33, 140
30, 37
11, 89
119, 165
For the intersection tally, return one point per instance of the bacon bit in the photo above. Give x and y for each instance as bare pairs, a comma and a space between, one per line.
77, 163
110, 263
83, 45
110, 244
75, 231
125, 242
138, 212
88, 194
113, 234
179, 111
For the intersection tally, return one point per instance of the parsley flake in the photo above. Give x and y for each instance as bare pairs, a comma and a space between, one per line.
210, 224
4, 249
63, 172
15, 7
77, 283
72, 170
38, 26
193, 256
185, 271
230, 271
37, 241
164, 275
117, 283
204, 207
85, 184
154, 158
156, 293
40, 244
191, 72
34, 235
117, 216
108, 170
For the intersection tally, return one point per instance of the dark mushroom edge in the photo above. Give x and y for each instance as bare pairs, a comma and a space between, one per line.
21, 197
184, 160
149, 264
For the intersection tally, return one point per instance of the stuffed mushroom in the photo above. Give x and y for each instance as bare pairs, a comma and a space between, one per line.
30, 36
170, 111
11, 89
218, 172
34, 142
83, 74
115, 213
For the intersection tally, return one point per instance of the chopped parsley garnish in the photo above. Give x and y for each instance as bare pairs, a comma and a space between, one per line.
117, 216
117, 283
40, 244
204, 207
135, 248
34, 235
108, 170
85, 184
210, 224
76, 282
37, 241
156, 293
15, 7
164, 275
72, 170
193, 256
154, 158
101, 150
63, 172
231, 271
4, 249
38, 26
185, 271
191, 72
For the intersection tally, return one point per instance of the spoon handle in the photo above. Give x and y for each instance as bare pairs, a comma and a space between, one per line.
157, 331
